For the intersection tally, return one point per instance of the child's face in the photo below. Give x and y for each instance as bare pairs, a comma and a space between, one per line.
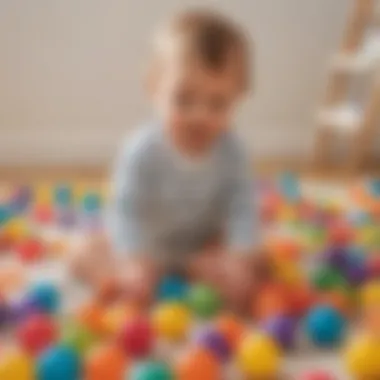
195, 103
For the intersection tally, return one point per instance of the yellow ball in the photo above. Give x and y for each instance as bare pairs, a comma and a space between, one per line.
289, 273
43, 194
16, 365
171, 321
362, 357
258, 356
16, 229
370, 294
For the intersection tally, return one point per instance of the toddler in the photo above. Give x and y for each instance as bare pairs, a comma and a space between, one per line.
183, 193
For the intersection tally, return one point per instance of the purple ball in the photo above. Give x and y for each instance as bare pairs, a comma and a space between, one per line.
21, 199
4, 313
356, 274
66, 218
336, 257
216, 343
282, 329
23, 309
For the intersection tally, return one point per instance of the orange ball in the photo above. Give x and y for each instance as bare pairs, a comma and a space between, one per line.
284, 249
105, 362
92, 316
231, 328
271, 300
301, 298
198, 364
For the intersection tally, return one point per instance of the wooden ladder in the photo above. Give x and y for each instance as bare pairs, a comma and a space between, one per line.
358, 55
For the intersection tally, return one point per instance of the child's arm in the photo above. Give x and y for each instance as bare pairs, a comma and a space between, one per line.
242, 224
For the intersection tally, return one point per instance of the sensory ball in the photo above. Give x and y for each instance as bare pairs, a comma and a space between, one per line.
373, 266
171, 321
203, 300
328, 278
150, 371
5, 214
231, 328
16, 229
59, 363
30, 249
335, 257
356, 273
46, 296
282, 328
91, 202
66, 218
5, 312
258, 356
137, 337
92, 316
289, 187
43, 213
20, 310
198, 363
37, 333
78, 337
300, 299
116, 315
63, 195
20, 199
172, 288
212, 340
362, 357
340, 234
15, 364
271, 300
370, 294
105, 362
317, 375
325, 326
374, 187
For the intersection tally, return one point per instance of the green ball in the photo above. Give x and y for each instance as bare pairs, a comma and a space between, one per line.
78, 337
150, 371
203, 300
328, 278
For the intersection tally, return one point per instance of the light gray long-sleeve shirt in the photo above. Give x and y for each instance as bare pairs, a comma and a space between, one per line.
166, 203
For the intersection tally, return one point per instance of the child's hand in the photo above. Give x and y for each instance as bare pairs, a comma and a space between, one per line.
138, 279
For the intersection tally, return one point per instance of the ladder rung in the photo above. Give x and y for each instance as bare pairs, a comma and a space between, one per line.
344, 118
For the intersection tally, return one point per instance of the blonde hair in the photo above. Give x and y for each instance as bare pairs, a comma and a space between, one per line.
211, 37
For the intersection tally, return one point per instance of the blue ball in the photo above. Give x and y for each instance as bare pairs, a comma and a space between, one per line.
325, 326
91, 202
289, 187
5, 214
59, 363
45, 296
150, 371
63, 195
172, 288
374, 187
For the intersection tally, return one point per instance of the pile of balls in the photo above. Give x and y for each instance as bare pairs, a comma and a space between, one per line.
26, 210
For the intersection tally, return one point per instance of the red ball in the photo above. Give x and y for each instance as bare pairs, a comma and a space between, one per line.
300, 300
30, 250
318, 375
43, 214
373, 265
37, 333
137, 337
340, 233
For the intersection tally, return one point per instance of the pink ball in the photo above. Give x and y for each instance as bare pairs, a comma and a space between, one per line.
137, 337
317, 375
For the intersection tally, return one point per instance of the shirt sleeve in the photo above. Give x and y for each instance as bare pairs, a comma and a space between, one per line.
125, 208
242, 232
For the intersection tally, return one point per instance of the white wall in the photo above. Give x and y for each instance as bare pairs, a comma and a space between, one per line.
70, 73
